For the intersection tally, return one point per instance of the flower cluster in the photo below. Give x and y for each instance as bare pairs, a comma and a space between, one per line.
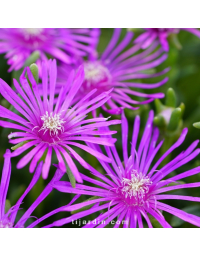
57, 111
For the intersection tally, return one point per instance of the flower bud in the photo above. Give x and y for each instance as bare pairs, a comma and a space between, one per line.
169, 117
35, 72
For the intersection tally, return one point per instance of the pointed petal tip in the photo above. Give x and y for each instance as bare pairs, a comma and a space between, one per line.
160, 95
7, 153
79, 179
184, 131
166, 79
62, 167
44, 175
137, 118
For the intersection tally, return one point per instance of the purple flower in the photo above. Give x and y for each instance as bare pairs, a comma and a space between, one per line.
7, 219
45, 127
132, 190
161, 34
66, 45
115, 68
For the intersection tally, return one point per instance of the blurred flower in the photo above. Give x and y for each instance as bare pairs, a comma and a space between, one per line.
115, 68
161, 34
65, 45
131, 191
8, 219
47, 126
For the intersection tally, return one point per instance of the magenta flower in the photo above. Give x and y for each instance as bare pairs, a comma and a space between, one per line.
66, 45
45, 127
7, 220
116, 68
161, 34
132, 191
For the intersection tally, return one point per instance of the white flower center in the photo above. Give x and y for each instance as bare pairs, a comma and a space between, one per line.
53, 123
95, 72
31, 32
6, 224
137, 186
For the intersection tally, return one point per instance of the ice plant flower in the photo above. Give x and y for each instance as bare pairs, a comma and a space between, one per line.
66, 45
131, 192
115, 69
161, 34
8, 219
44, 126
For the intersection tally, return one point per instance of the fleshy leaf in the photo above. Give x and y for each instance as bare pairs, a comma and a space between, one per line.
159, 121
197, 125
174, 119
34, 71
19, 145
171, 98
71, 177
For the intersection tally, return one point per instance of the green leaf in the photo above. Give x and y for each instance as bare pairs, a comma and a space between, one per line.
35, 72
70, 174
71, 177
159, 106
19, 145
159, 121
174, 119
197, 125
182, 107
170, 98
